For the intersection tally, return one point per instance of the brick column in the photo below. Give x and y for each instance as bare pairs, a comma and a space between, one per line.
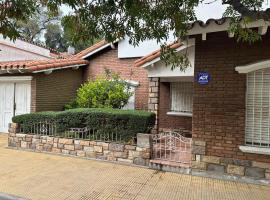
153, 101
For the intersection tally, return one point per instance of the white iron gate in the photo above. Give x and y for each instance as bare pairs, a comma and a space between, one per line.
171, 147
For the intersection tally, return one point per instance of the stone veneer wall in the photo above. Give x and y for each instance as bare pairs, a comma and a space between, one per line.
132, 154
230, 166
153, 101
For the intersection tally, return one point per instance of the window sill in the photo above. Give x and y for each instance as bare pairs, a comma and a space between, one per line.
256, 150
179, 114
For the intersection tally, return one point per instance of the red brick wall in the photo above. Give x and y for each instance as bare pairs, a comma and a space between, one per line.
33, 95
108, 59
166, 121
53, 91
219, 107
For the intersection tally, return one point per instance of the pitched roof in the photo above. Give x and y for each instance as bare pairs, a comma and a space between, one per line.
100, 44
39, 44
39, 65
155, 54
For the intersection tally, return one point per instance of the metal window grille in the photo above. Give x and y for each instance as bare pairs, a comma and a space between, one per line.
258, 108
182, 96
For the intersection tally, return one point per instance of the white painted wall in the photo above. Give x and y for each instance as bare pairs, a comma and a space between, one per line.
126, 50
21, 50
161, 70
8, 53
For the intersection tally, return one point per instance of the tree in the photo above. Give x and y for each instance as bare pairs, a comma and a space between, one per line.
54, 37
69, 35
138, 19
59, 38
33, 28
48, 24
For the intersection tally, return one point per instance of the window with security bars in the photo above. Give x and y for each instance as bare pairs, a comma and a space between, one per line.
181, 97
258, 108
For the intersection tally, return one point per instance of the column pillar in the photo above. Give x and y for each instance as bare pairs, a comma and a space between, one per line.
153, 101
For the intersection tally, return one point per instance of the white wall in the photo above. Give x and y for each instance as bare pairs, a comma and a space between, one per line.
8, 53
126, 50
161, 70
21, 50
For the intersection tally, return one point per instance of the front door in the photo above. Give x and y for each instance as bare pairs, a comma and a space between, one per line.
15, 99
6, 105
22, 98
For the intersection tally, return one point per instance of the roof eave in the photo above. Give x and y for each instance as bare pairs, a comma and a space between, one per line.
76, 66
211, 26
111, 44
96, 50
185, 45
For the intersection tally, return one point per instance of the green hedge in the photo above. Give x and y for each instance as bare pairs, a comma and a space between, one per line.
126, 123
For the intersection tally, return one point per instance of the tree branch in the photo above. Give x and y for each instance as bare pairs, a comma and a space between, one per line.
247, 12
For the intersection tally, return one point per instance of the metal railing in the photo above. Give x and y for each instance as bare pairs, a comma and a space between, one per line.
172, 147
86, 133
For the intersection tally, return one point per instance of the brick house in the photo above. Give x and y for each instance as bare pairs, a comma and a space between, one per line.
230, 114
38, 84
170, 91
105, 56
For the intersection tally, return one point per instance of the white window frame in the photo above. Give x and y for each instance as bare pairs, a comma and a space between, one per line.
251, 70
187, 112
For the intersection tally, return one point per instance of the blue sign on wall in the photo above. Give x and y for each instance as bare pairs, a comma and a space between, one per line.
203, 78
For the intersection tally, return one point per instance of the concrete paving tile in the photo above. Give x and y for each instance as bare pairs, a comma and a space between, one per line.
39, 176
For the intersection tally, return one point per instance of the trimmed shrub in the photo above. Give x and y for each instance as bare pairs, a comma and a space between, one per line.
108, 91
126, 123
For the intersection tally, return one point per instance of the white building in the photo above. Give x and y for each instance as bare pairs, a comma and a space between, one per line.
21, 50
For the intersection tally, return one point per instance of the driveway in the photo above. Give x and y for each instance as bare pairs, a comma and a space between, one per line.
42, 176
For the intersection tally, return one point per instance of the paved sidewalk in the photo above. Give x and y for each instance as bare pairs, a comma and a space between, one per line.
43, 176
9, 197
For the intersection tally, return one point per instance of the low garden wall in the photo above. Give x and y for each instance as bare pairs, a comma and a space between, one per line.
132, 154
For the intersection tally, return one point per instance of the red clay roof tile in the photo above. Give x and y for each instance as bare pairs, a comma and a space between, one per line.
37, 65
91, 49
154, 55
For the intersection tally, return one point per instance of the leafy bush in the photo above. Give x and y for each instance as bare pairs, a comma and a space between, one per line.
127, 123
73, 104
104, 92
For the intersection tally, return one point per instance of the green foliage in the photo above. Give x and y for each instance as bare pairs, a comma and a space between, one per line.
48, 24
239, 25
126, 123
139, 20
171, 56
73, 104
69, 36
13, 11
40, 21
104, 92
54, 39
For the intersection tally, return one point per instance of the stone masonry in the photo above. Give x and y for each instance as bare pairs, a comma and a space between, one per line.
153, 101
230, 166
131, 154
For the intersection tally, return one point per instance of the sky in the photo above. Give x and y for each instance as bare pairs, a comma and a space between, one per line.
215, 10
203, 11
